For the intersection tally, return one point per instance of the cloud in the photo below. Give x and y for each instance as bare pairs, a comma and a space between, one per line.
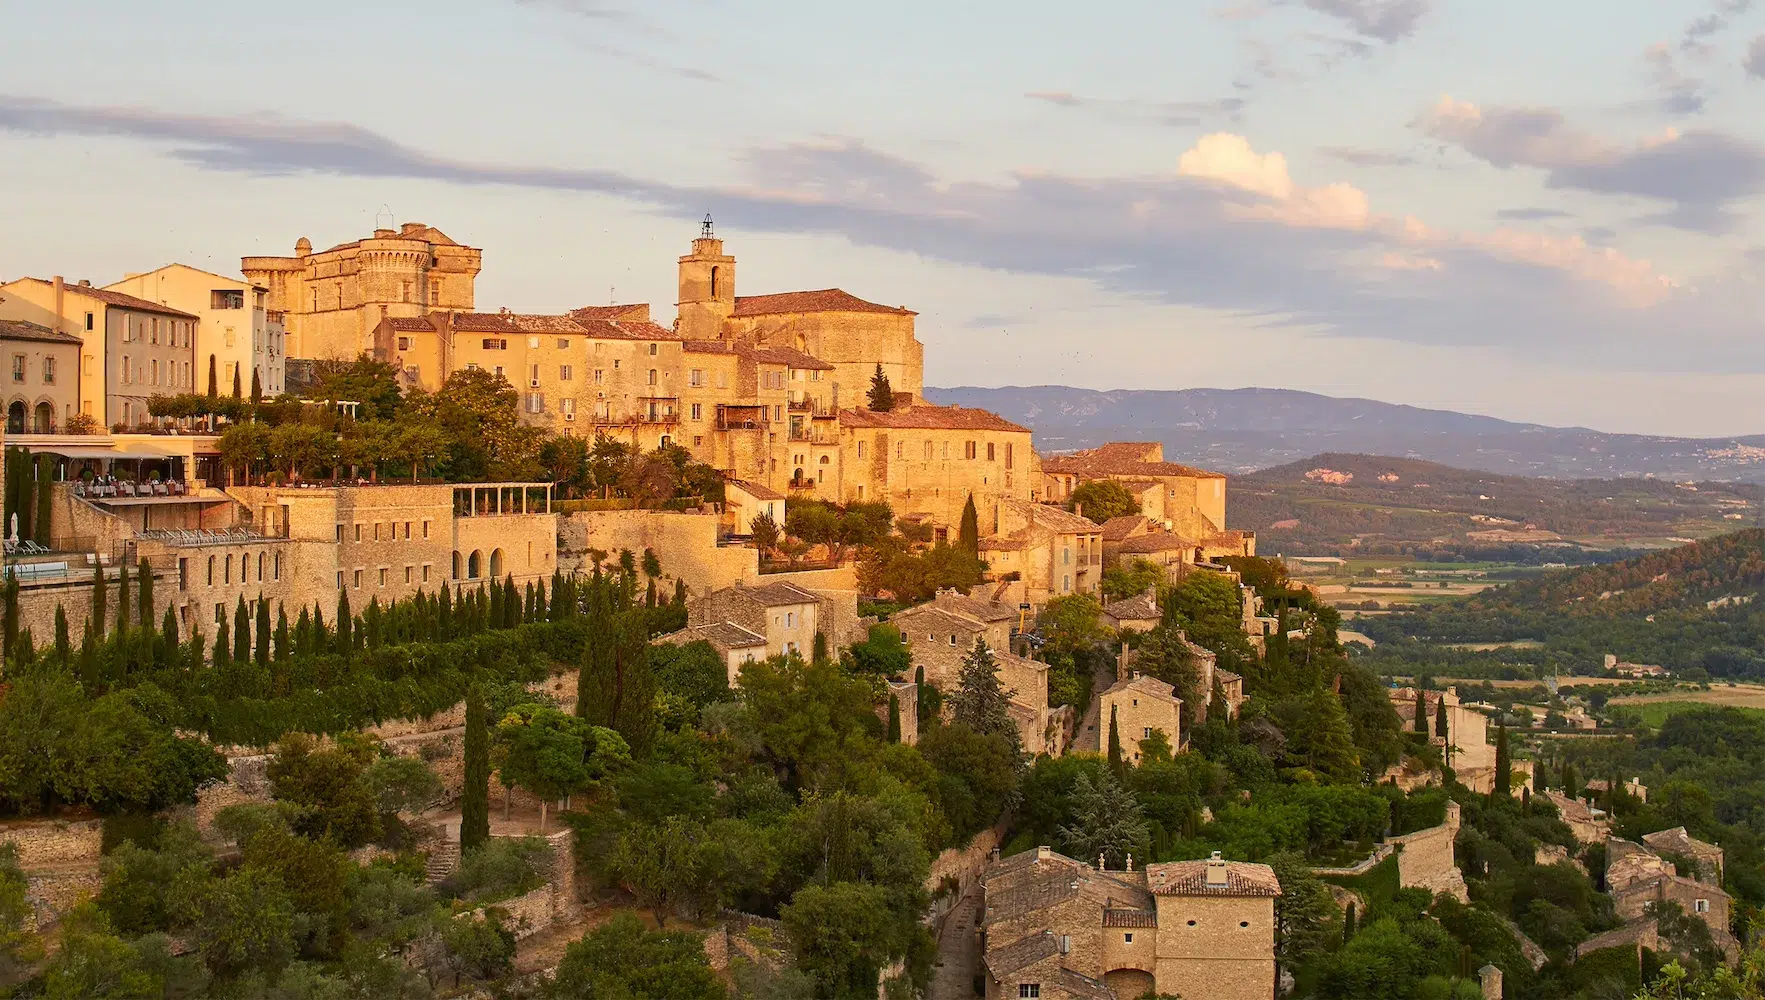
1228, 229
1715, 21
1386, 20
1699, 174
1357, 157
1678, 93
1755, 60
1172, 113
1531, 214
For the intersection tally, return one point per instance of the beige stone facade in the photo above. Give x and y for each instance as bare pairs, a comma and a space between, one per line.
1204, 930
1472, 755
1052, 552
1140, 706
237, 335
1638, 878
42, 377
929, 460
1187, 501
133, 349
334, 299
786, 615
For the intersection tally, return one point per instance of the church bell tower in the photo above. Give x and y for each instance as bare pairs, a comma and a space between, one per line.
707, 287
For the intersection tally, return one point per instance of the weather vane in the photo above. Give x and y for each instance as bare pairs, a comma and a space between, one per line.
705, 230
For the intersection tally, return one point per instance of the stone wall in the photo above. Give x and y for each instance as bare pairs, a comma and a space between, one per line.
686, 544
247, 781
52, 842
1425, 858
962, 864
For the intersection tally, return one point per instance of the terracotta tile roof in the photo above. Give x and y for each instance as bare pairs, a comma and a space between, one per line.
924, 617
415, 324
709, 347
1122, 458
823, 300
484, 323
610, 312
1156, 541
1117, 917
1027, 883
1147, 683
1189, 878
1140, 607
974, 607
1082, 987
541, 323
118, 299
723, 635
922, 415
1646, 932
1678, 841
1227, 677
774, 595
756, 490
1003, 543
1025, 951
18, 329
1117, 528
790, 357
1054, 518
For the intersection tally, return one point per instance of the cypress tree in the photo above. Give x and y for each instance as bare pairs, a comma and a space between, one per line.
193, 651
894, 719
881, 396
9, 641
818, 651
1421, 721
41, 520
222, 656
1348, 922
261, 645
1440, 729
968, 535
679, 593
144, 576
511, 603
321, 640
303, 633
26, 508
100, 613
122, 602
282, 644
25, 655
649, 593
168, 637
1503, 764
241, 632
919, 695
556, 611
496, 604
475, 796
372, 624
980, 701
63, 646
257, 388
444, 615
88, 662
1115, 744
344, 643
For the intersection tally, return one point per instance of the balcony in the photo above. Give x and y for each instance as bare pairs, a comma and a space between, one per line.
731, 417
658, 409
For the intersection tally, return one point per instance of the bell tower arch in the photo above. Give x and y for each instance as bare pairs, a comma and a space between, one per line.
707, 287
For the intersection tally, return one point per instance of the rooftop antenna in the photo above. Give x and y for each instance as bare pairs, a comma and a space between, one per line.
386, 212
612, 295
705, 229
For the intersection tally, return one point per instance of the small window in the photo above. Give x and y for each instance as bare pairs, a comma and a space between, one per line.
404, 343
1029, 991
533, 343
652, 373
989, 451
652, 350
563, 343
1191, 923
1703, 906
426, 572
358, 579
425, 529
1128, 938
220, 612
566, 373
339, 579
88, 321
383, 576
1243, 923
358, 532
698, 411
340, 532
968, 450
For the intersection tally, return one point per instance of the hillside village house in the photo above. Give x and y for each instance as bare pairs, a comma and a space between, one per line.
1053, 926
1140, 706
1049, 551
1188, 501
42, 376
237, 336
940, 636
133, 348
1638, 877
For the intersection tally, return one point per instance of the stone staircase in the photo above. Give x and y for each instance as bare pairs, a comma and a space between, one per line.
444, 860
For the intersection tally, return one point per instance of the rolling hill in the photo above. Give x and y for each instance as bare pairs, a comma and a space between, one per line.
1240, 430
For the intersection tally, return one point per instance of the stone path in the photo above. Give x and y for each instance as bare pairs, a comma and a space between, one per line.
1090, 736
958, 952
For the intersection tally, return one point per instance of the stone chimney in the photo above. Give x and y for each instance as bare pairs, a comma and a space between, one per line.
384, 234
1216, 871
1044, 853
60, 286
411, 227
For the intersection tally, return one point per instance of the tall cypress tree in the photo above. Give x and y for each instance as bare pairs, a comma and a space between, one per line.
1504, 766
556, 611
881, 396
475, 796
968, 535
1348, 922
894, 719
444, 615
1440, 727
596, 659
144, 577
122, 604
1421, 721
241, 632
40, 520
100, 612
496, 604
168, 638
344, 644
9, 601
282, 643
321, 636
223, 656
261, 643
1116, 766
511, 603
63, 647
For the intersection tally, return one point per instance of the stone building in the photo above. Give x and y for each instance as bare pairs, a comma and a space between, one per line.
941, 634
1140, 705
1139, 613
929, 460
132, 349
1472, 755
42, 382
786, 615
334, 299
1188, 501
1204, 930
237, 335
1638, 878
734, 644
1050, 551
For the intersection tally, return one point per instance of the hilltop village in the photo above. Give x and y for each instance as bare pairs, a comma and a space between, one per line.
847, 694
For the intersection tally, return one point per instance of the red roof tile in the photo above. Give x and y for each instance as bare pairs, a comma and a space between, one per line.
822, 300
18, 329
1189, 878
611, 312
413, 324
931, 418
119, 300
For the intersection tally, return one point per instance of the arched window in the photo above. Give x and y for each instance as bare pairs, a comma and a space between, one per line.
713, 281
474, 565
496, 563
260, 566
15, 417
456, 573
43, 422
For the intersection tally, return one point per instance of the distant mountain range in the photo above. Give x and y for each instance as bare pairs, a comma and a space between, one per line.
1240, 430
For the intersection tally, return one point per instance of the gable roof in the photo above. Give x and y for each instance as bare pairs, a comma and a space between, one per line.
724, 635
1054, 518
18, 329
773, 595
1122, 458
755, 490
1140, 607
411, 324
1147, 683
929, 417
1035, 880
1155, 541
791, 358
979, 609
1025, 951
924, 616
821, 300
119, 300
609, 312
1117, 528
1189, 878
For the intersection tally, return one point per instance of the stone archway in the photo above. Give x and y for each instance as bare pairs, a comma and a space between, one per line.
1129, 982
456, 573
475, 565
496, 564
43, 419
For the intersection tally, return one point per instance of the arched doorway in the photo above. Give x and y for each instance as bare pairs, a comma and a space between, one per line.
474, 565
496, 563
15, 417
43, 419
1129, 982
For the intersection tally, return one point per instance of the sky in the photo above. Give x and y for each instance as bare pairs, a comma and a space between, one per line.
1550, 212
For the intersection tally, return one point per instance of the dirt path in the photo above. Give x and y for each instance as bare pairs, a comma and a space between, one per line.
958, 952
1090, 736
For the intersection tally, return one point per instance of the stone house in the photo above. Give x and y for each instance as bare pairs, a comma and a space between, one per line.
238, 335
941, 632
1181, 499
42, 382
1589, 824
1053, 552
1139, 705
133, 348
1139, 613
1472, 756
929, 460
1638, 877
744, 502
1204, 930
735, 645
787, 615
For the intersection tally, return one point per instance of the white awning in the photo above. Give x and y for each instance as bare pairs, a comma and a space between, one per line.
73, 452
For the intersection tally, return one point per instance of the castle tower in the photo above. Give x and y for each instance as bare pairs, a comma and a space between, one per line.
707, 287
